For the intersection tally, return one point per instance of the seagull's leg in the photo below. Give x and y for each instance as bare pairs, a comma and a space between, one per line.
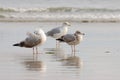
74, 50
36, 50
71, 50
33, 51
57, 44
35, 57
72, 47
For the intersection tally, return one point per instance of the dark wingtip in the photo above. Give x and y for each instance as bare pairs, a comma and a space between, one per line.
15, 44
61, 40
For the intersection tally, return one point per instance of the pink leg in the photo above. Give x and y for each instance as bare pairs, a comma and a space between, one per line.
33, 51
36, 50
71, 48
74, 50
57, 44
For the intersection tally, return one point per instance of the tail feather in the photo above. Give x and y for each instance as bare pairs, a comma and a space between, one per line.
17, 44
61, 40
21, 44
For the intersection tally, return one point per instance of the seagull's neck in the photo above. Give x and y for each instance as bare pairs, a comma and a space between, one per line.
65, 30
43, 35
79, 37
64, 25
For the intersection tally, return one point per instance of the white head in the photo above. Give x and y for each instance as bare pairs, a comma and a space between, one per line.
38, 31
40, 34
66, 24
79, 35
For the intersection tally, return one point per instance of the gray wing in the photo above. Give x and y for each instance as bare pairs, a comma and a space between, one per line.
32, 40
54, 31
69, 38
30, 35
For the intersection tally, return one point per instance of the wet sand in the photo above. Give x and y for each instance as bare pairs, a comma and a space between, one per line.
97, 56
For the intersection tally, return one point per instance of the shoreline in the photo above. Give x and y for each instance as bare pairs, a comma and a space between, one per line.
57, 20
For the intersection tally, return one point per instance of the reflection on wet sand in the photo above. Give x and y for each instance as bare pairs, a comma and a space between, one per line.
66, 59
57, 53
33, 64
72, 61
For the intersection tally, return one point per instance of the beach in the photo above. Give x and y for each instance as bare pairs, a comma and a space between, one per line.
97, 56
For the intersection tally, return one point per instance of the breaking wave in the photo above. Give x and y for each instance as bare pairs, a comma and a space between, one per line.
60, 14
56, 9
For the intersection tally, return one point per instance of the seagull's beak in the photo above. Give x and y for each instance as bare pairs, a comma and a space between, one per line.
69, 24
83, 33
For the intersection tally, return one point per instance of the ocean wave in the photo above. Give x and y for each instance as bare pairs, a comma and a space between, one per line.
56, 9
59, 14
74, 18
2, 16
22, 9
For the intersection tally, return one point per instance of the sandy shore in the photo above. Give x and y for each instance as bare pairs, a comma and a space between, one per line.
97, 56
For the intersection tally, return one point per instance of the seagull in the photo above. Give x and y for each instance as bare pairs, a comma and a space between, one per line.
59, 31
72, 39
33, 40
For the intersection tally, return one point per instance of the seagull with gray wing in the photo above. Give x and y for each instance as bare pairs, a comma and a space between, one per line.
59, 31
72, 39
33, 40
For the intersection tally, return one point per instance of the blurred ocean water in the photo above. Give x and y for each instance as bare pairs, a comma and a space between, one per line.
54, 10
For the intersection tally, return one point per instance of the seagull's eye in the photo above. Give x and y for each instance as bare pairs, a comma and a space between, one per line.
35, 33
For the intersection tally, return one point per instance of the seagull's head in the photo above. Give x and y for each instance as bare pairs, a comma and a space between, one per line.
67, 23
79, 33
38, 31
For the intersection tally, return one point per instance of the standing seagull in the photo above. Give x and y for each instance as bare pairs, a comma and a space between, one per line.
33, 40
72, 39
59, 31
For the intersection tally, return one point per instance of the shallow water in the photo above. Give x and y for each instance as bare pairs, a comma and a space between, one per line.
97, 56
